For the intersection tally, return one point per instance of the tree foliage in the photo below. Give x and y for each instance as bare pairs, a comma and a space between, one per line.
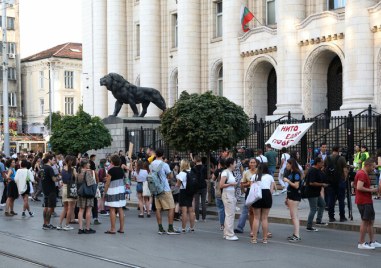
204, 123
56, 117
79, 133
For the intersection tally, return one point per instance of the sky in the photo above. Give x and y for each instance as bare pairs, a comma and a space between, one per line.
47, 23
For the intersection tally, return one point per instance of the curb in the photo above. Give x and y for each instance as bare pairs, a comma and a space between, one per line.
333, 226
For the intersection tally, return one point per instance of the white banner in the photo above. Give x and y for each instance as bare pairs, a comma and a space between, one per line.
288, 135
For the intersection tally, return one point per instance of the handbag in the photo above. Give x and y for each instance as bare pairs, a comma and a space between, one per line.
72, 189
87, 191
146, 191
255, 193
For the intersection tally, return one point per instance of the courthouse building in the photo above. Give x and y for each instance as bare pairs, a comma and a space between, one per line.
302, 56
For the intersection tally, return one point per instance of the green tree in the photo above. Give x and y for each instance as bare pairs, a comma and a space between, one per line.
204, 123
56, 117
79, 133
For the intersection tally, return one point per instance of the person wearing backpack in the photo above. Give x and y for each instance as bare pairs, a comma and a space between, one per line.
336, 170
186, 196
164, 201
227, 184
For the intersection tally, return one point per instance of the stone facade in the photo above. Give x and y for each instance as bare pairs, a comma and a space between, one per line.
176, 45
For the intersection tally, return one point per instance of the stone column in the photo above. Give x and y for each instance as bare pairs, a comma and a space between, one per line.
232, 61
189, 46
116, 46
99, 57
150, 48
358, 82
289, 78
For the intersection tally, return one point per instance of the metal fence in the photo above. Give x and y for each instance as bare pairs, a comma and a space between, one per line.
345, 131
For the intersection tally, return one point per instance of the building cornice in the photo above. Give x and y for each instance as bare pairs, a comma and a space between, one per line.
318, 16
322, 39
255, 52
257, 30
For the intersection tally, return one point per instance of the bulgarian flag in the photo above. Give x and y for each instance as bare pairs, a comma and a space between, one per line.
246, 17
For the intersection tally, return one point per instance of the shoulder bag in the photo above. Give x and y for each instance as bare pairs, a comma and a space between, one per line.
255, 192
72, 188
87, 191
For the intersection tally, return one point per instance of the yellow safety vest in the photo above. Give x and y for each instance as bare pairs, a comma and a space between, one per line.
356, 161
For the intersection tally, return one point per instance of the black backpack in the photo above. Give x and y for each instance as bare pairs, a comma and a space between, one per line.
200, 172
192, 182
331, 172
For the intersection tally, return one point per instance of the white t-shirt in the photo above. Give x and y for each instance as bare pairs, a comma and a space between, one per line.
284, 158
142, 176
230, 178
265, 182
182, 176
262, 159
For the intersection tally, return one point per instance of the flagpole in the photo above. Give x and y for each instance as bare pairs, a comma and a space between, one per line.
258, 20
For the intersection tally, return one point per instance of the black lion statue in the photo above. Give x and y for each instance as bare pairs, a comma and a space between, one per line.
127, 93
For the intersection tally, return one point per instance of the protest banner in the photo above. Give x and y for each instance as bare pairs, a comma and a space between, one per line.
288, 135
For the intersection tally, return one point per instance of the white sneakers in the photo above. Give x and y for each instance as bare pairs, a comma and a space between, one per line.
365, 246
231, 238
284, 190
372, 245
375, 244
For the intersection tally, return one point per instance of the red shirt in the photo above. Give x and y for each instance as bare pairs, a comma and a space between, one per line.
363, 198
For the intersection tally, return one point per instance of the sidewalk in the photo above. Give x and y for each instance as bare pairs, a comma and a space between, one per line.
279, 213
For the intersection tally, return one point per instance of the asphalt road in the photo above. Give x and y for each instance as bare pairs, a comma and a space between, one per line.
141, 246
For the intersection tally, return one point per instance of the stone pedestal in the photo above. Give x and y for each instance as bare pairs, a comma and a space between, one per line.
120, 128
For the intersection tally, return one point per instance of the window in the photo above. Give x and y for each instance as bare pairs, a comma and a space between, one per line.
174, 31
220, 82
42, 106
137, 40
10, 23
41, 80
69, 105
270, 12
335, 4
12, 99
69, 79
12, 47
218, 19
11, 73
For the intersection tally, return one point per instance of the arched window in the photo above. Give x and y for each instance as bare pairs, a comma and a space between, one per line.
220, 82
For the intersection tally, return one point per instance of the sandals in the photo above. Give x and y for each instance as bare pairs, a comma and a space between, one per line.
109, 232
264, 241
254, 241
269, 235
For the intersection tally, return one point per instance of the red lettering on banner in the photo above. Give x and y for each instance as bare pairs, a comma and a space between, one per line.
289, 128
293, 135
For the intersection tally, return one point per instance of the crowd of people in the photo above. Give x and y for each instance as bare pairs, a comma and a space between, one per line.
189, 184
